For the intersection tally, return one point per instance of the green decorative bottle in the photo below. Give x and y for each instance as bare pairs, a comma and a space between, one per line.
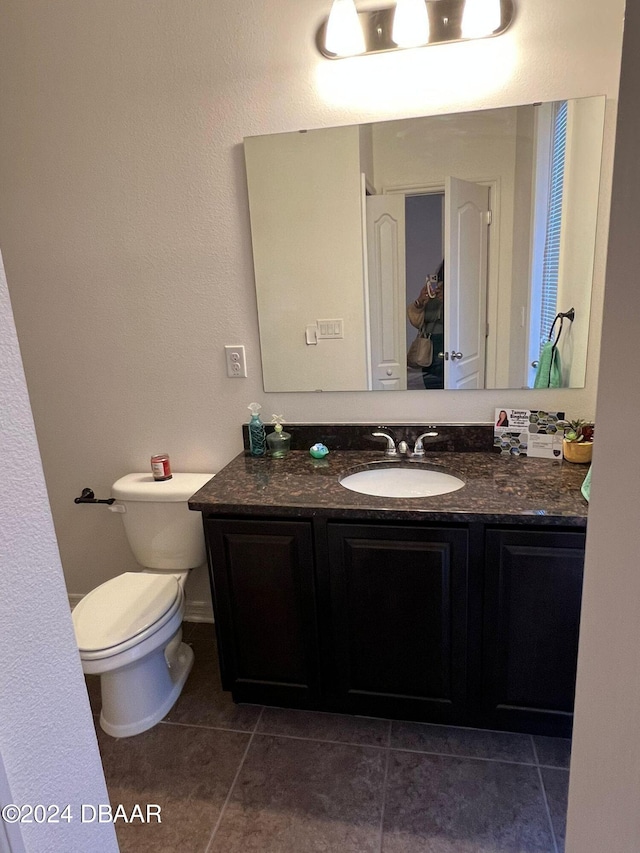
279, 442
257, 439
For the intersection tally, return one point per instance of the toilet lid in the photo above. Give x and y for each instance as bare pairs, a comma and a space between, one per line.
122, 608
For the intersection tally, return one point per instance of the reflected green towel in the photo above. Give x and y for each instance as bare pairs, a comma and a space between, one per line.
586, 485
549, 373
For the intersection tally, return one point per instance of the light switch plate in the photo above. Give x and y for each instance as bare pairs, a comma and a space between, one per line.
330, 329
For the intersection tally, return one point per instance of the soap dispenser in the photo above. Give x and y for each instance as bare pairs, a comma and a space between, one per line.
278, 441
257, 441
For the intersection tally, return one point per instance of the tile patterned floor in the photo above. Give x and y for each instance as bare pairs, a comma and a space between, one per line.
244, 778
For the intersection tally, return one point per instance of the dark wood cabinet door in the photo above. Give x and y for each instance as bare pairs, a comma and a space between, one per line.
532, 615
262, 582
398, 597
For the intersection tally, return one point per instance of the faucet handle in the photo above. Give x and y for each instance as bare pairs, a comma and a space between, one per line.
391, 445
418, 449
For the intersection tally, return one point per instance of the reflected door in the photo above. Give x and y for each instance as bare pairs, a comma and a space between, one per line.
466, 234
386, 282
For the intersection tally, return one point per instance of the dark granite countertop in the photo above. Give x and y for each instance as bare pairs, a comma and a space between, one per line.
498, 488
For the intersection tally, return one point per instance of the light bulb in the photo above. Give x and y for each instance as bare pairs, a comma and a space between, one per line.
344, 35
410, 23
480, 18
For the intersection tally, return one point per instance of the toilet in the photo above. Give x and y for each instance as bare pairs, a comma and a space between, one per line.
129, 629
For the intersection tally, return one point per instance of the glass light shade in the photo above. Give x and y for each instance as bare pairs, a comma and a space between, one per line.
344, 35
410, 23
480, 18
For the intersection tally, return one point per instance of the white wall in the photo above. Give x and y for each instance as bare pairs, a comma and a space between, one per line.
605, 765
48, 747
125, 228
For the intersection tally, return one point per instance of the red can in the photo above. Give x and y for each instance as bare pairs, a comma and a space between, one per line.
161, 467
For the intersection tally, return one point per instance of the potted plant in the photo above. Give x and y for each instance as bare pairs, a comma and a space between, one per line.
577, 442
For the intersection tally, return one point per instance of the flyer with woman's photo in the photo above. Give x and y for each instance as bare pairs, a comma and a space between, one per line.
528, 432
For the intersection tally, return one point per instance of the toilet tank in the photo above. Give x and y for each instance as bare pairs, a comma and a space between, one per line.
161, 529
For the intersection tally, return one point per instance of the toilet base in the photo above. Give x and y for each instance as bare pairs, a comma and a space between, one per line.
136, 697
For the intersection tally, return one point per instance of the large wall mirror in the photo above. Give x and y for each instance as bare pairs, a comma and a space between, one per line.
476, 229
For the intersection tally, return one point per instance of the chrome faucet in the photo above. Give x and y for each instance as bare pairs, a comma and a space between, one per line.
418, 449
403, 447
391, 444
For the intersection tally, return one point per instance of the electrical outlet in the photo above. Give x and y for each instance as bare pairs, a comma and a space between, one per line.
236, 362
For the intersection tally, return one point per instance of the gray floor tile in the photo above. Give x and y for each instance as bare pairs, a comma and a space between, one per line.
556, 785
320, 788
553, 751
297, 796
471, 743
186, 771
317, 726
437, 804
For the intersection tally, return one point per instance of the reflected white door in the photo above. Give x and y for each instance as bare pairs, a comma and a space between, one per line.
466, 238
387, 288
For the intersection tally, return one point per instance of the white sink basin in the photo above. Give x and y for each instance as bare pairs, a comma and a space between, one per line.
401, 482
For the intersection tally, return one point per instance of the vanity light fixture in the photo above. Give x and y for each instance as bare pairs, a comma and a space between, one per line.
410, 23
344, 35
480, 17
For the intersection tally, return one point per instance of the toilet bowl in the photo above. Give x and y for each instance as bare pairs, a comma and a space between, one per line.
129, 629
129, 632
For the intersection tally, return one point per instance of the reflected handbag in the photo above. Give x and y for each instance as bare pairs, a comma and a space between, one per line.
420, 352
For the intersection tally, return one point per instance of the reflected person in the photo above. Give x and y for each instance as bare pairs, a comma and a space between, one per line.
428, 311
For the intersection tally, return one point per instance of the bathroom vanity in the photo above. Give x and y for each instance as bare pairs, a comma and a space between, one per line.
461, 608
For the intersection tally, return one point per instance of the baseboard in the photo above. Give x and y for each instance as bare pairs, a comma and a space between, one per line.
198, 611
194, 611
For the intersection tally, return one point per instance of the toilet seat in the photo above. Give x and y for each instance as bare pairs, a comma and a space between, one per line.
125, 611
